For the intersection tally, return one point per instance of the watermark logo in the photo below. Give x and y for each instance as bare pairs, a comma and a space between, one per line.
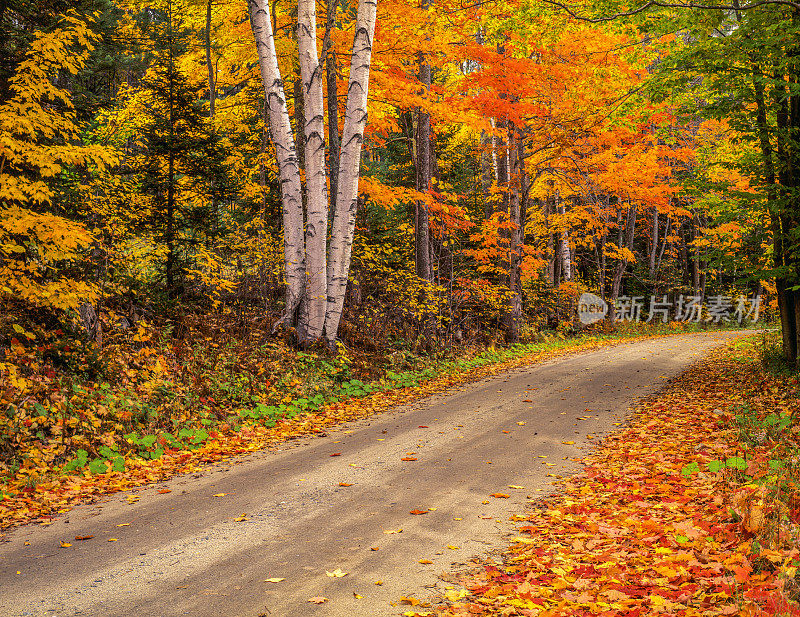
591, 308
689, 309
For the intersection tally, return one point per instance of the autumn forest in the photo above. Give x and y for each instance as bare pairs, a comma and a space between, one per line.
228, 223
462, 169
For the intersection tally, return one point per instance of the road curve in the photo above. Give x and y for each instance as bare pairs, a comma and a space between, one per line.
183, 552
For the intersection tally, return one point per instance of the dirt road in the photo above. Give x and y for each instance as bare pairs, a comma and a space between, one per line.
183, 552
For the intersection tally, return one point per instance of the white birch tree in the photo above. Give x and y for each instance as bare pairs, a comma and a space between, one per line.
314, 278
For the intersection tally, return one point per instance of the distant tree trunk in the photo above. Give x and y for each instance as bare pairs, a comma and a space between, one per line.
331, 71
169, 234
423, 174
487, 173
349, 163
212, 86
516, 234
664, 244
625, 240
654, 246
212, 95
564, 256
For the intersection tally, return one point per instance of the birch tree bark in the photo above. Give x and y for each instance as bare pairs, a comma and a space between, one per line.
286, 155
349, 162
320, 283
316, 291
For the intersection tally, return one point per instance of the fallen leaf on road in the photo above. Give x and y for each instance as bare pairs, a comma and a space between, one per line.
242, 518
318, 600
485, 517
527, 400
379, 582
337, 573
521, 423
358, 596
113, 540
452, 547
84, 537
499, 495
409, 458
425, 561
390, 531
422, 426
164, 491
418, 512
374, 548
345, 484
411, 601
453, 595
336, 454
219, 495
568, 443
274, 580
65, 544
517, 486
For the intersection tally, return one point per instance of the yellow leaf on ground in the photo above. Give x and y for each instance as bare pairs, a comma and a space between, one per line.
65, 545
219, 495
318, 599
337, 573
274, 580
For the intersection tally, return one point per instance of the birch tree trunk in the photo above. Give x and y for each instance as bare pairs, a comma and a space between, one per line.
349, 162
286, 155
316, 291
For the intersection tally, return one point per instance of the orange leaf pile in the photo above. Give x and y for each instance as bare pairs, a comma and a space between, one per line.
635, 534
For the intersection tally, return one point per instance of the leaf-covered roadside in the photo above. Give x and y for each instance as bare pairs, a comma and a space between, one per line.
80, 422
691, 509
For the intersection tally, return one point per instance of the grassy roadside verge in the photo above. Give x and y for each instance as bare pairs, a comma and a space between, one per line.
692, 509
72, 440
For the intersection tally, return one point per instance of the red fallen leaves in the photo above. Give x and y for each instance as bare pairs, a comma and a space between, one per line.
409, 458
633, 536
418, 512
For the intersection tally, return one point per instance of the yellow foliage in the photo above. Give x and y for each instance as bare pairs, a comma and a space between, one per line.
38, 140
